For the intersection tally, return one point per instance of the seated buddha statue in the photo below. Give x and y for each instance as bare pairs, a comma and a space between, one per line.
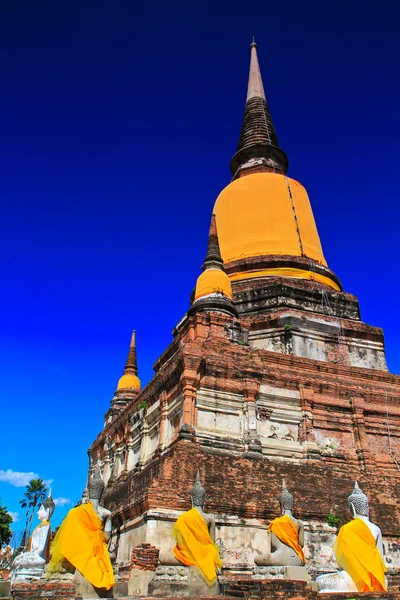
81, 541
194, 532
287, 536
359, 552
30, 565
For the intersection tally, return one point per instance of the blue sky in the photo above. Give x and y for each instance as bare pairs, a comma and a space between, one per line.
117, 127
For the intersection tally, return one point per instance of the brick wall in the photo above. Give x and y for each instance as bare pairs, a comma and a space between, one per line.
43, 591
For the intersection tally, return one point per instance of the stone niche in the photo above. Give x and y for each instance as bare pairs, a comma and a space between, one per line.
220, 414
278, 419
225, 419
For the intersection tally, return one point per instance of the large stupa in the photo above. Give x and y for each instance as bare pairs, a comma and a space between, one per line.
271, 373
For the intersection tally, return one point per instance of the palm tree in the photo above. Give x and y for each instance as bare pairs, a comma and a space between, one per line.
34, 495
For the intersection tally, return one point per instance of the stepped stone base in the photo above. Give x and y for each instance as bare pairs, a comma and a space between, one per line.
281, 589
85, 590
246, 588
180, 581
287, 572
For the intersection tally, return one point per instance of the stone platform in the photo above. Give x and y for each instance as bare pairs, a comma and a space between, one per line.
246, 588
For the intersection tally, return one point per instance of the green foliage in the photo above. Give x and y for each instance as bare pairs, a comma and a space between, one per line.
329, 408
34, 495
350, 401
287, 328
332, 520
5, 521
142, 405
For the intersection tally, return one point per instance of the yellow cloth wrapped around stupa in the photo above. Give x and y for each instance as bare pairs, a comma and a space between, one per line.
286, 531
81, 541
194, 546
356, 552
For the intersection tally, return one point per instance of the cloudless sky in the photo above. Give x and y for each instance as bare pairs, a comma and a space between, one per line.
117, 125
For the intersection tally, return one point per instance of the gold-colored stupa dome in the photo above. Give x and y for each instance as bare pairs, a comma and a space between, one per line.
129, 382
255, 216
212, 281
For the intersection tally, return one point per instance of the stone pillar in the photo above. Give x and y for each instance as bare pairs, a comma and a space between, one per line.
118, 462
189, 401
144, 444
163, 419
306, 429
130, 456
360, 437
112, 463
106, 469
252, 437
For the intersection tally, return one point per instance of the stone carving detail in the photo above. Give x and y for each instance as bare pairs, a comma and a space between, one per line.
281, 431
326, 443
237, 554
171, 574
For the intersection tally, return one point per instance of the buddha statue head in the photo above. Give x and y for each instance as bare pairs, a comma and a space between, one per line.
358, 502
285, 498
46, 509
197, 493
95, 485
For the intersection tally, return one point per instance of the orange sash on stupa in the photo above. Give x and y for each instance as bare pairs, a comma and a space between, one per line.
194, 546
286, 531
81, 541
356, 552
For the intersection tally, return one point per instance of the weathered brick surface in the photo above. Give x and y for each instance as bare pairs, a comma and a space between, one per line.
145, 557
279, 589
43, 591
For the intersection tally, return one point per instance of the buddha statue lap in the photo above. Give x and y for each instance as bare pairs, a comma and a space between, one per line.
81, 542
359, 552
30, 565
287, 537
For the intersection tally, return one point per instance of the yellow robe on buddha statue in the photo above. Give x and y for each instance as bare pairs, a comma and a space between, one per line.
81, 541
194, 546
286, 531
356, 552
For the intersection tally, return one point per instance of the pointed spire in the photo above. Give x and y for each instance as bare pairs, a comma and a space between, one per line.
213, 289
258, 147
255, 87
131, 361
213, 256
129, 379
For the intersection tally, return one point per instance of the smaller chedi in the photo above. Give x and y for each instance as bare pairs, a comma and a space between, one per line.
287, 537
30, 565
359, 552
81, 541
194, 532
